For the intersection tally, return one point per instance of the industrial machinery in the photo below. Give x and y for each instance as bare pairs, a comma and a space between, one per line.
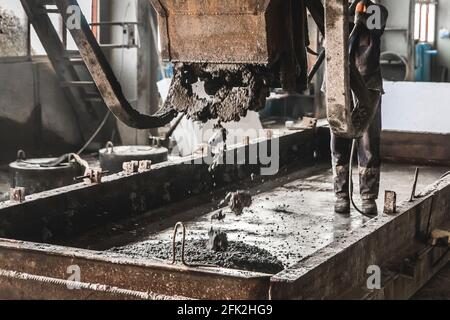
228, 55
238, 50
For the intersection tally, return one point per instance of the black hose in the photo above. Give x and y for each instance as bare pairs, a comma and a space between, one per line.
317, 65
350, 180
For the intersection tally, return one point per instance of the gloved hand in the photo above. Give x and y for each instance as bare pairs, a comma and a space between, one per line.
361, 12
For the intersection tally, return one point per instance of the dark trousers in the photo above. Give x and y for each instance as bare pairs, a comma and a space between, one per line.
368, 151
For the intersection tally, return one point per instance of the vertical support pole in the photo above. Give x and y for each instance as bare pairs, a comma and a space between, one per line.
147, 70
337, 66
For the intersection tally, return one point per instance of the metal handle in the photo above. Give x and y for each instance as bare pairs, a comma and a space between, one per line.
21, 155
109, 147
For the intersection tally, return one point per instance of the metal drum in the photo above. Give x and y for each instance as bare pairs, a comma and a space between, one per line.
34, 177
112, 158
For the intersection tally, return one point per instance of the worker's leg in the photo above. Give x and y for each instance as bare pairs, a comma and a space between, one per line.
369, 159
340, 153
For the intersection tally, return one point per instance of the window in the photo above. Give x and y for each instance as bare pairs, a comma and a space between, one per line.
13, 29
425, 21
90, 11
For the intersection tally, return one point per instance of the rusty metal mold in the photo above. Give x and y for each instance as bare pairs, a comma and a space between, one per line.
353, 252
115, 270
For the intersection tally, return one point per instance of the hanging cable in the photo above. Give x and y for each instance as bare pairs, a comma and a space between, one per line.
100, 127
350, 180
350, 177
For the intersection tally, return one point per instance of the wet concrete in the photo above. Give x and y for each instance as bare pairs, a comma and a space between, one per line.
289, 218
238, 255
229, 91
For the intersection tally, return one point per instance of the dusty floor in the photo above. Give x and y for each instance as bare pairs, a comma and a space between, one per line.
289, 221
438, 288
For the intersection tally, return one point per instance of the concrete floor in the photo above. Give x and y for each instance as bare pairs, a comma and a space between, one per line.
291, 217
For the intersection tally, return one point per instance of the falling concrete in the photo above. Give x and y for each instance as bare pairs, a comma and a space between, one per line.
230, 91
238, 201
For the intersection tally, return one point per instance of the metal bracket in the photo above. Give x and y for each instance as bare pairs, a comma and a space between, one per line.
17, 195
132, 167
93, 175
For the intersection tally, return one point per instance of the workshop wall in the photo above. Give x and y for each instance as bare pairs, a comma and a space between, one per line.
443, 45
413, 106
34, 114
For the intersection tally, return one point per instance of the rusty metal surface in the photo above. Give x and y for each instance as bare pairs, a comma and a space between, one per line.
17, 285
131, 275
217, 31
239, 49
344, 263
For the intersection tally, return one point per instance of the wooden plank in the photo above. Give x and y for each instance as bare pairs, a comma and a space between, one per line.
416, 147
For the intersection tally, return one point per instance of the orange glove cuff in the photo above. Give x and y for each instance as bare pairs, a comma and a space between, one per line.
361, 8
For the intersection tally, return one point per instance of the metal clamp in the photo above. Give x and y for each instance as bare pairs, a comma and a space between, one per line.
130, 167
136, 166
17, 195
93, 175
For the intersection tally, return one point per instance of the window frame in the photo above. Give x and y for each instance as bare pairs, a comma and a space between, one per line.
30, 57
27, 56
418, 20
